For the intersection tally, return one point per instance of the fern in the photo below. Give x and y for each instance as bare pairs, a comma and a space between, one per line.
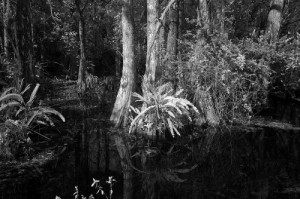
162, 109
20, 116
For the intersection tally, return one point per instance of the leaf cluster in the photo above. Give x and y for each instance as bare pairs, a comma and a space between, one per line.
162, 109
20, 116
236, 79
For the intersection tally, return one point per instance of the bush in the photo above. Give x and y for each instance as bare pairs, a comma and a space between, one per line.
18, 120
163, 109
236, 80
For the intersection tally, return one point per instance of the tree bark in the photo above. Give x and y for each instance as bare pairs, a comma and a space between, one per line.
119, 115
203, 17
162, 40
23, 38
173, 32
82, 65
172, 43
181, 19
152, 58
6, 17
274, 20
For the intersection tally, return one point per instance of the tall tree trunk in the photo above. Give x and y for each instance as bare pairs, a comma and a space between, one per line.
152, 58
181, 19
203, 17
274, 20
119, 115
82, 61
6, 17
24, 40
173, 32
172, 42
162, 38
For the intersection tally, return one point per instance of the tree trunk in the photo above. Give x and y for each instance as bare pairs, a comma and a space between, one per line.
82, 67
274, 20
181, 19
203, 17
162, 40
119, 115
172, 43
24, 40
6, 17
152, 58
173, 32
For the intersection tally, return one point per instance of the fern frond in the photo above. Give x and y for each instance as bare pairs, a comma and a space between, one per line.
25, 89
33, 95
9, 104
7, 91
13, 96
140, 98
135, 120
46, 110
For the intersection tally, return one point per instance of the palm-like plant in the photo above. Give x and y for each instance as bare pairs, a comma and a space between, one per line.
162, 109
20, 116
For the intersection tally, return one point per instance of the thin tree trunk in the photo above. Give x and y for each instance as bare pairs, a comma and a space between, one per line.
119, 115
24, 40
17, 53
181, 19
31, 55
152, 58
6, 17
82, 61
173, 32
162, 40
203, 17
274, 20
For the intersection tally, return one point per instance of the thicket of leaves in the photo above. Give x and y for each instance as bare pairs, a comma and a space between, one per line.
18, 119
163, 109
239, 74
237, 83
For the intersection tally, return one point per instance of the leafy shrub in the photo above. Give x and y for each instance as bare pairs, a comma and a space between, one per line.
162, 109
236, 80
18, 120
286, 65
